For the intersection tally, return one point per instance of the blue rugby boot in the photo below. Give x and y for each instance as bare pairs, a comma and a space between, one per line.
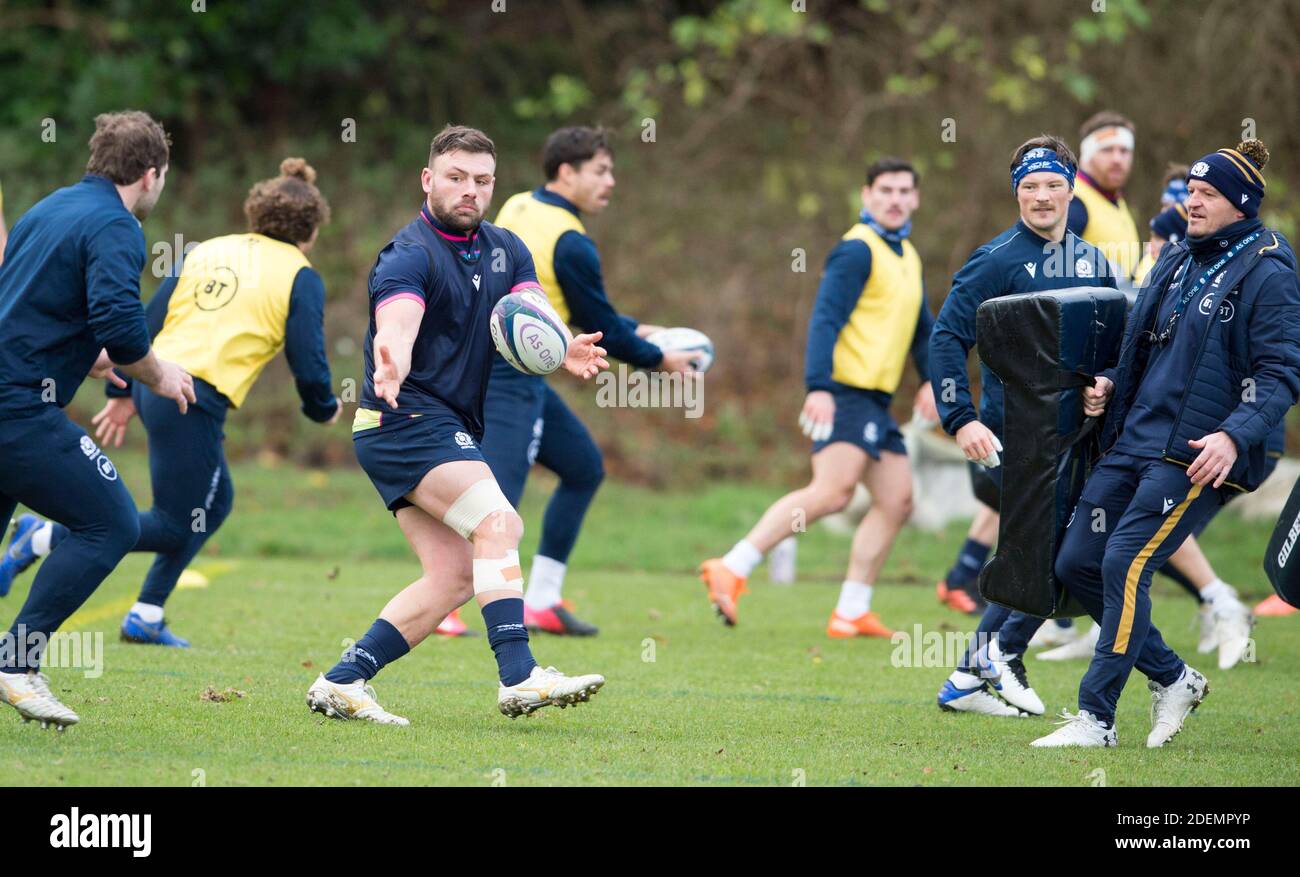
19, 555
136, 630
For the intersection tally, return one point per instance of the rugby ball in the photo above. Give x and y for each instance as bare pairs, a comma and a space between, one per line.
682, 338
528, 333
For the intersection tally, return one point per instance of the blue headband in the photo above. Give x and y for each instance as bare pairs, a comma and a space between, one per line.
1041, 159
1174, 193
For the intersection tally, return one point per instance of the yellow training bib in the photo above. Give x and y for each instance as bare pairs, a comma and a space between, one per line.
873, 346
225, 320
540, 225
1110, 228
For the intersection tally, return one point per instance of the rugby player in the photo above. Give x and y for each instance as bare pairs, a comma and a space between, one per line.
526, 420
1099, 215
70, 307
1042, 181
236, 301
428, 355
870, 314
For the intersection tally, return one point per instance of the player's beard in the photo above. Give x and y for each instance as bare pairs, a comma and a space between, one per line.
454, 220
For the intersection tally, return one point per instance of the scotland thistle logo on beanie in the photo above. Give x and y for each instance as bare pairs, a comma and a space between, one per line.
1236, 173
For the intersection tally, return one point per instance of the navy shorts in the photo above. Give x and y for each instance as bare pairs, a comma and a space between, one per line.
400, 452
862, 418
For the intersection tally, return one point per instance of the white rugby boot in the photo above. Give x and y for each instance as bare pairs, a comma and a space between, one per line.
30, 694
978, 700
1078, 649
1078, 729
1233, 621
1013, 682
356, 700
1170, 706
546, 687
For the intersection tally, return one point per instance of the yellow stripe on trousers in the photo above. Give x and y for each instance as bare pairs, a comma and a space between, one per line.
1139, 564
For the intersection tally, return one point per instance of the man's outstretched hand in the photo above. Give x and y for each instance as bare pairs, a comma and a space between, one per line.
584, 358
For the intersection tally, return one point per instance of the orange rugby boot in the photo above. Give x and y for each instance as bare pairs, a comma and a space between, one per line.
866, 624
725, 588
1275, 606
453, 626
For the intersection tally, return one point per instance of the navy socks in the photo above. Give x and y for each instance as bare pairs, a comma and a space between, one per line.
509, 639
381, 645
969, 563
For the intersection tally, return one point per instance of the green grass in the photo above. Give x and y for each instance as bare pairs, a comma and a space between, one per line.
309, 558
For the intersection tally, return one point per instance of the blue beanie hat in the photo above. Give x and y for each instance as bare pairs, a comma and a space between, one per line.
1236, 173
1171, 224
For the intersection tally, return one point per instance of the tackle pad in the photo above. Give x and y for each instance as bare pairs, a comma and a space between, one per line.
1045, 347
1281, 564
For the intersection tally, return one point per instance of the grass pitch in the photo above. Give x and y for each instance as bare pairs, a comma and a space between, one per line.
308, 558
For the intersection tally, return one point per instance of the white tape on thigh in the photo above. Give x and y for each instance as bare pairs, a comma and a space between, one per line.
479, 500
500, 573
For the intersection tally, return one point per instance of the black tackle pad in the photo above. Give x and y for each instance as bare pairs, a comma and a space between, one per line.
1282, 559
1045, 347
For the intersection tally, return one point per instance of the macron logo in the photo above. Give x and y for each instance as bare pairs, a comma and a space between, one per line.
100, 830
1031, 267
1169, 503
476, 281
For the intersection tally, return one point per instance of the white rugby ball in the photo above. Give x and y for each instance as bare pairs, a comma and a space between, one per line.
683, 338
528, 333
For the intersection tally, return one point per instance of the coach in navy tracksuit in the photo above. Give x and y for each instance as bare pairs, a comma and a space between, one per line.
1038, 253
1209, 366
70, 306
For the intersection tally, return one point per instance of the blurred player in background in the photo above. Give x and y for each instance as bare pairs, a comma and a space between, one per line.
70, 307
235, 302
1042, 181
1170, 224
428, 355
870, 314
1099, 214
525, 420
